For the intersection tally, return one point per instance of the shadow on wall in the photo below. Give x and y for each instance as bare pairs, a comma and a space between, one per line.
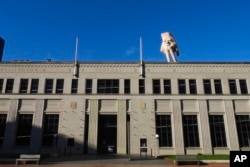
22, 138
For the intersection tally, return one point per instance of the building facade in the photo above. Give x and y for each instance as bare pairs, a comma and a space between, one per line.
173, 108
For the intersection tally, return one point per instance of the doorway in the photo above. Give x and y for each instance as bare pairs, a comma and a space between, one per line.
107, 134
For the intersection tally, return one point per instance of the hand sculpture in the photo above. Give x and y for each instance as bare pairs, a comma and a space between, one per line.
169, 46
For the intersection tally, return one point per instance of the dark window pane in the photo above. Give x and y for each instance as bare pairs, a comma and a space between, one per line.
243, 129
24, 129
88, 88
192, 86
243, 86
1, 85
163, 129
108, 86
59, 85
50, 130
217, 86
23, 86
156, 86
167, 86
127, 86
182, 86
9, 86
74, 85
207, 86
48, 85
217, 128
141, 86
3, 118
232, 86
191, 133
34, 86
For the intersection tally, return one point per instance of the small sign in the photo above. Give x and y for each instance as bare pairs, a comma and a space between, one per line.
73, 105
142, 105
239, 158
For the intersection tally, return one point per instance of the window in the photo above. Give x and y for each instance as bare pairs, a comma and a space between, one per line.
182, 86
243, 129
34, 85
108, 86
9, 86
167, 86
217, 128
48, 85
74, 85
232, 86
1, 85
88, 89
59, 85
156, 86
163, 129
243, 86
127, 86
141, 86
191, 133
192, 86
24, 129
217, 86
207, 86
50, 129
3, 118
23, 86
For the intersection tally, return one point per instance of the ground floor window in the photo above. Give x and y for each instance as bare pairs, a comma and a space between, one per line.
50, 129
24, 128
163, 129
217, 128
243, 129
190, 130
3, 118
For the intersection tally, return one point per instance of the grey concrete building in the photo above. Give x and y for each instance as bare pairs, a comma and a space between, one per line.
174, 108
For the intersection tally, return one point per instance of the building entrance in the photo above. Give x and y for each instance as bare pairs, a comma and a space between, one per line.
107, 134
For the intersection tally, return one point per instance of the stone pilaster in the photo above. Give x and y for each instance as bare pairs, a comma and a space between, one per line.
36, 133
10, 130
177, 128
121, 127
205, 139
93, 127
230, 125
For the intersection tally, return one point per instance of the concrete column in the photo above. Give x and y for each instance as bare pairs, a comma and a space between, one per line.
67, 85
134, 85
230, 126
29, 85
148, 86
174, 86
36, 133
225, 86
121, 127
94, 86
199, 84
162, 86
10, 130
93, 127
41, 85
54, 86
204, 130
238, 86
16, 85
121, 87
177, 127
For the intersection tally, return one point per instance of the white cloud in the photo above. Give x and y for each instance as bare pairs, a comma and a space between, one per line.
130, 51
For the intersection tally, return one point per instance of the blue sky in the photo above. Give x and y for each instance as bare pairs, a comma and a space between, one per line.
109, 30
